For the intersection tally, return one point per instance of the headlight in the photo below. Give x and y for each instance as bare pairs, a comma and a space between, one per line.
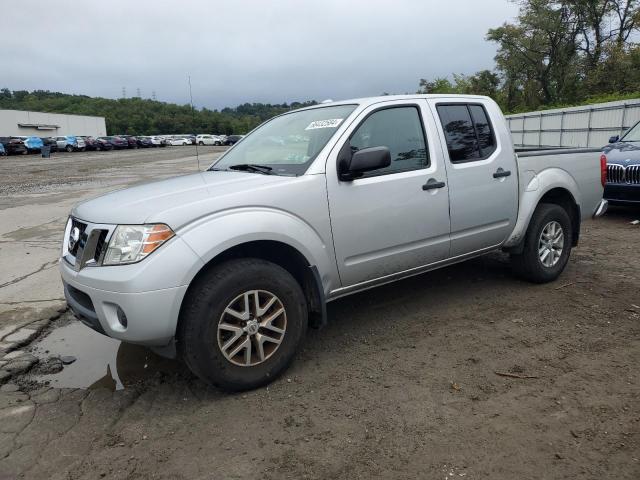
131, 243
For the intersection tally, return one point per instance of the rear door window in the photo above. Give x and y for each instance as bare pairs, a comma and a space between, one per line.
486, 139
468, 132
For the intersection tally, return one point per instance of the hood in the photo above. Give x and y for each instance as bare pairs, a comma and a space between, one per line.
623, 153
136, 205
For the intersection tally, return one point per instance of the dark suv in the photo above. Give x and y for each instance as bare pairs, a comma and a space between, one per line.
13, 145
131, 140
115, 142
623, 168
233, 139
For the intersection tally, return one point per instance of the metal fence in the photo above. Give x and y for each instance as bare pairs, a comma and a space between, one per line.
585, 126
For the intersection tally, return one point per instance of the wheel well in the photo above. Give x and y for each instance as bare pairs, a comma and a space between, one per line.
286, 257
562, 197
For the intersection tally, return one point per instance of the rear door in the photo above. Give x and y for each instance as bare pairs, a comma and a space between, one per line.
482, 173
387, 221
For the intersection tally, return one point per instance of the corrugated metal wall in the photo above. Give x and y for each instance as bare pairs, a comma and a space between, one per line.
584, 126
40, 124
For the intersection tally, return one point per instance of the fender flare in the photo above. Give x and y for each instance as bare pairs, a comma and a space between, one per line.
533, 188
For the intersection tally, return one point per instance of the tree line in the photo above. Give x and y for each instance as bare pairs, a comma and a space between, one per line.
556, 53
137, 116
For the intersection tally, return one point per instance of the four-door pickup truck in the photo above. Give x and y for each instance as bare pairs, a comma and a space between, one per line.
227, 268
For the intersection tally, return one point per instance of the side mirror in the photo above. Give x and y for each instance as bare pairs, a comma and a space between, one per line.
365, 160
614, 139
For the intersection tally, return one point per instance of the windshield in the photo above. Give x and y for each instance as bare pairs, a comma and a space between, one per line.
288, 143
632, 135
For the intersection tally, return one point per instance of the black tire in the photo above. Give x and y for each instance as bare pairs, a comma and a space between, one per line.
204, 305
201, 144
68, 148
528, 264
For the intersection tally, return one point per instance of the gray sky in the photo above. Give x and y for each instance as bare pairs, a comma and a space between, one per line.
240, 51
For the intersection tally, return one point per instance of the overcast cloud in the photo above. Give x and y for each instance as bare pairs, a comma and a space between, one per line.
243, 51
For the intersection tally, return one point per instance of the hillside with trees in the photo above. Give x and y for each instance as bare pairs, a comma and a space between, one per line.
137, 116
556, 53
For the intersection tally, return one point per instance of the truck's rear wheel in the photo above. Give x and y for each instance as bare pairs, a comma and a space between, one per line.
547, 245
242, 323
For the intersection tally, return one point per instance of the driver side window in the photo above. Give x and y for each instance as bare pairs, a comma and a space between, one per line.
400, 130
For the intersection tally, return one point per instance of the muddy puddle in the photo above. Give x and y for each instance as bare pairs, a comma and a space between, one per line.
97, 361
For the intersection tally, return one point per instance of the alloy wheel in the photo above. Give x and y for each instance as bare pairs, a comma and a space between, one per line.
551, 244
251, 328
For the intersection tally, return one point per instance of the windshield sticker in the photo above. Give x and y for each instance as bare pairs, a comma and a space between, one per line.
330, 123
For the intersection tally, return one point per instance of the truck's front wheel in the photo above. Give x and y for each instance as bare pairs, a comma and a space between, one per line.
242, 323
547, 245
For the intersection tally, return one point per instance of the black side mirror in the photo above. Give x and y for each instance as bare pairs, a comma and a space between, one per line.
364, 160
614, 139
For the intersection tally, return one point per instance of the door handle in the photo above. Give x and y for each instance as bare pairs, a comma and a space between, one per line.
432, 183
501, 173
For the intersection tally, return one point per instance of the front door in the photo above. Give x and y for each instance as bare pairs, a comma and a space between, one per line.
397, 218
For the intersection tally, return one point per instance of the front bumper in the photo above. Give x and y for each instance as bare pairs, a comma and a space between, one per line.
146, 318
137, 303
621, 194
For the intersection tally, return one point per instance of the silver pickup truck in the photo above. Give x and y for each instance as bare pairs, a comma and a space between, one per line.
228, 267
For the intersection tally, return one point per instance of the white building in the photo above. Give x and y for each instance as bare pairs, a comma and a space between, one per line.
40, 124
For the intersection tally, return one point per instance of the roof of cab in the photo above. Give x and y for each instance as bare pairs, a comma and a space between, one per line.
366, 101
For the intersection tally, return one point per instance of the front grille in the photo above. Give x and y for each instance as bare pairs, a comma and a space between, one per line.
91, 244
101, 246
82, 298
621, 174
81, 227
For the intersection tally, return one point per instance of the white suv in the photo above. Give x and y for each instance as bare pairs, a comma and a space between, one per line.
208, 140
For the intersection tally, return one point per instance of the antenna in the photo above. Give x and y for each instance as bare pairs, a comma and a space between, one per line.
193, 120
138, 92
124, 92
153, 95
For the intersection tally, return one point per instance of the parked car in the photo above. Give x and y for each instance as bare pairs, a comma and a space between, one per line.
115, 142
205, 139
237, 261
13, 145
158, 141
623, 168
103, 145
91, 143
33, 144
144, 142
179, 141
50, 142
70, 143
132, 141
232, 139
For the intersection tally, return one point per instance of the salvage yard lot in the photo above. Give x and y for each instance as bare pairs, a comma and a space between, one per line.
402, 383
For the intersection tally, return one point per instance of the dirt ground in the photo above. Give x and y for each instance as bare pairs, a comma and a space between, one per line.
404, 382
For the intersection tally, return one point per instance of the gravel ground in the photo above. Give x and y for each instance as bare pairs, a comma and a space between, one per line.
465, 372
